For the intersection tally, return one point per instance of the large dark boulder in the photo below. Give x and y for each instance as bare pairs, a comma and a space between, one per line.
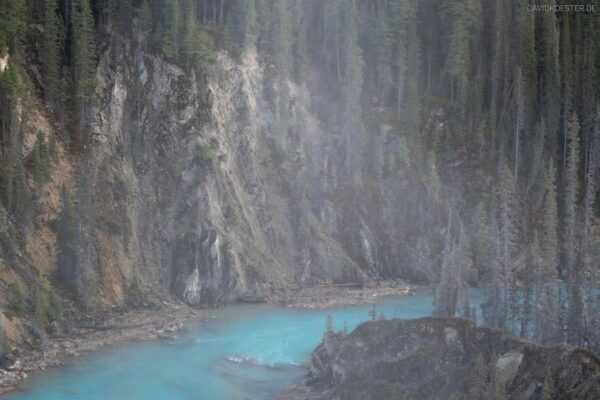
444, 358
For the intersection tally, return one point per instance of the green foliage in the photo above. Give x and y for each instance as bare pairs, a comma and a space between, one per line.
40, 160
47, 307
67, 237
53, 148
12, 18
280, 34
18, 302
3, 343
134, 295
22, 203
146, 19
206, 152
197, 46
83, 60
329, 327
50, 54
242, 26
171, 29
373, 312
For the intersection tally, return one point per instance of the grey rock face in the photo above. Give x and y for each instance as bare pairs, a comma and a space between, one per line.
444, 358
208, 191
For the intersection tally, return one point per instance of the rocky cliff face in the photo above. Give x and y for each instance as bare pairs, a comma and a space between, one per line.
212, 193
445, 358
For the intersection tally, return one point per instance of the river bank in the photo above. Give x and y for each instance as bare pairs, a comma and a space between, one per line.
340, 295
163, 321
119, 328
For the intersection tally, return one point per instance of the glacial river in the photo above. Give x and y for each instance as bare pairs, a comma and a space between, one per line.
242, 352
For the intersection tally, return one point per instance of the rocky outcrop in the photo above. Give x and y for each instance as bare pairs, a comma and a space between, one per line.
207, 191
444, 358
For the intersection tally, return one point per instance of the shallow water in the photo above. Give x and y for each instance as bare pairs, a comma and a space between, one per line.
244, 352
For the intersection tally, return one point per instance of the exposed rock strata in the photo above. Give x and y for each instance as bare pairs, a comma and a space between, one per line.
208, 192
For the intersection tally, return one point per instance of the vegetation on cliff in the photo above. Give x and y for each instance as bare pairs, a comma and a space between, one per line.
482, 115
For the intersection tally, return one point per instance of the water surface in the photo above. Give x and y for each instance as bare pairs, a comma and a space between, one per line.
242, 352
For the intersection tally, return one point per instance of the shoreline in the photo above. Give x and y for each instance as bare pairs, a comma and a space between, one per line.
162, 323
128, 327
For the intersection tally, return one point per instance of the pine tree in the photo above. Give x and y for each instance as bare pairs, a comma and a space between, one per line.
519, 119
242, 25
9, 89
464, 19
373, 312
547, 325
84, 60
12, 17
280, 35
550, 78
196, 46
570, 236
451, 292
350, 57
67, 238
23, 204
537, 156
18, 299
567, 85
171, 29
508, 232
146, 19
50, 54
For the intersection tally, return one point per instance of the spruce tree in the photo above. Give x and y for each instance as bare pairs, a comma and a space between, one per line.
547, 325
50, 54
171, 29
67, 238
83, 60
508, 231
146, 19
196, 46
573, 261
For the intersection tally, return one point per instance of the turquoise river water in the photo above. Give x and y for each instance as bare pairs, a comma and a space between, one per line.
243, 352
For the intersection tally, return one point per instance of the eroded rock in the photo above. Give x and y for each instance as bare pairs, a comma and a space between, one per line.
443, 358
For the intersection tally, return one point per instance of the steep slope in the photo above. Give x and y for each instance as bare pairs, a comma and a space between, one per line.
204, 193
445, 358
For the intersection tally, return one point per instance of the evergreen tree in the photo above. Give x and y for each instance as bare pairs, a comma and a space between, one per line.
350, 58
575, 279
550, 77
23, 204
171, 29
242, 24
373, 312
196, 46
508, 232
67, 238
280, 34
547, 319
50, 54
12, 17
84, 60
146, 19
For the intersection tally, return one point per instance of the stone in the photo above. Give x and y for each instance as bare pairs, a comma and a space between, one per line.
435, 358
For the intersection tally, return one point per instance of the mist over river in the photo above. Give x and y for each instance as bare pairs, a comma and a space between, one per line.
248, 351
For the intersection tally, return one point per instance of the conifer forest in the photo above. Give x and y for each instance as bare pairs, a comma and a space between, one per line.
212, 152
